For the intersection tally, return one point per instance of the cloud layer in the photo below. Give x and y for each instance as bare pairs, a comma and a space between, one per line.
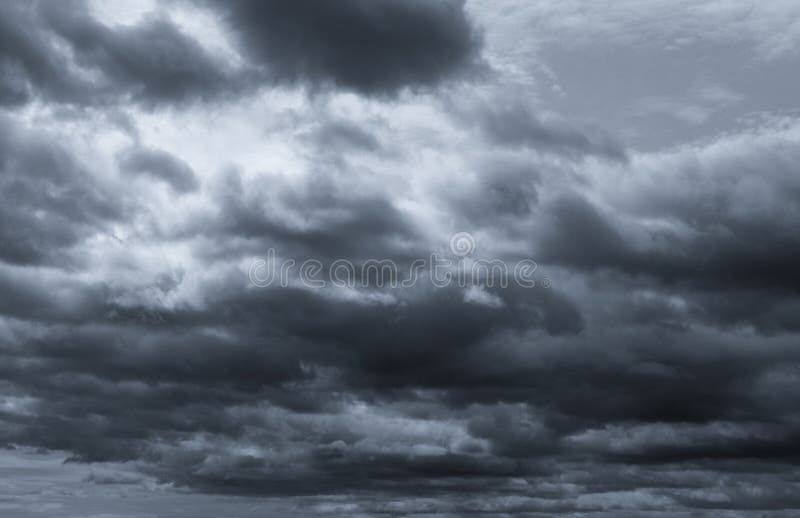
149, 158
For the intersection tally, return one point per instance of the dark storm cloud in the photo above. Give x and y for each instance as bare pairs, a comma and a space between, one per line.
732, 273
581, 237
371, 47
58, 51
48, 201
733, 239
532, 379
500, 190
26, 58
536, 383
658, 370
159, 165
408, 343
153, 61
141, 381
321, 216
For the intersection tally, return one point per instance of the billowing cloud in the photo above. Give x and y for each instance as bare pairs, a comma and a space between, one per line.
58, 51
370, 47
49, 199
218, 229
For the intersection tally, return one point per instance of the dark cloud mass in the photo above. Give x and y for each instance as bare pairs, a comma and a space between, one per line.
371, 47
57, 50
49, 199
212, 219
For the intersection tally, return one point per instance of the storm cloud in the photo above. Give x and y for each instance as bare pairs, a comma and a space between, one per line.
370, 47
221, 223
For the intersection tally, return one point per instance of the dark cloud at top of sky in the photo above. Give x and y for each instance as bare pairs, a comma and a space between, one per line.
153, 61
370, 47
27, 58
58, 51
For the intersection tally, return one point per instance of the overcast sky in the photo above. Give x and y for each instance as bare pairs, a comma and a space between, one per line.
644, 156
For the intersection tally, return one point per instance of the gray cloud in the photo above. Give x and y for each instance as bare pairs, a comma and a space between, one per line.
159, 165
49, 200
514, 124
52, 50
652, 371
373, 48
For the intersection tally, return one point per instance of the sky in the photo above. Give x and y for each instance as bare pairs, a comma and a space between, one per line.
399, 258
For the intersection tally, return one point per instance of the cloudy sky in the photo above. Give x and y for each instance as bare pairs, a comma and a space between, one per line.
644, 156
